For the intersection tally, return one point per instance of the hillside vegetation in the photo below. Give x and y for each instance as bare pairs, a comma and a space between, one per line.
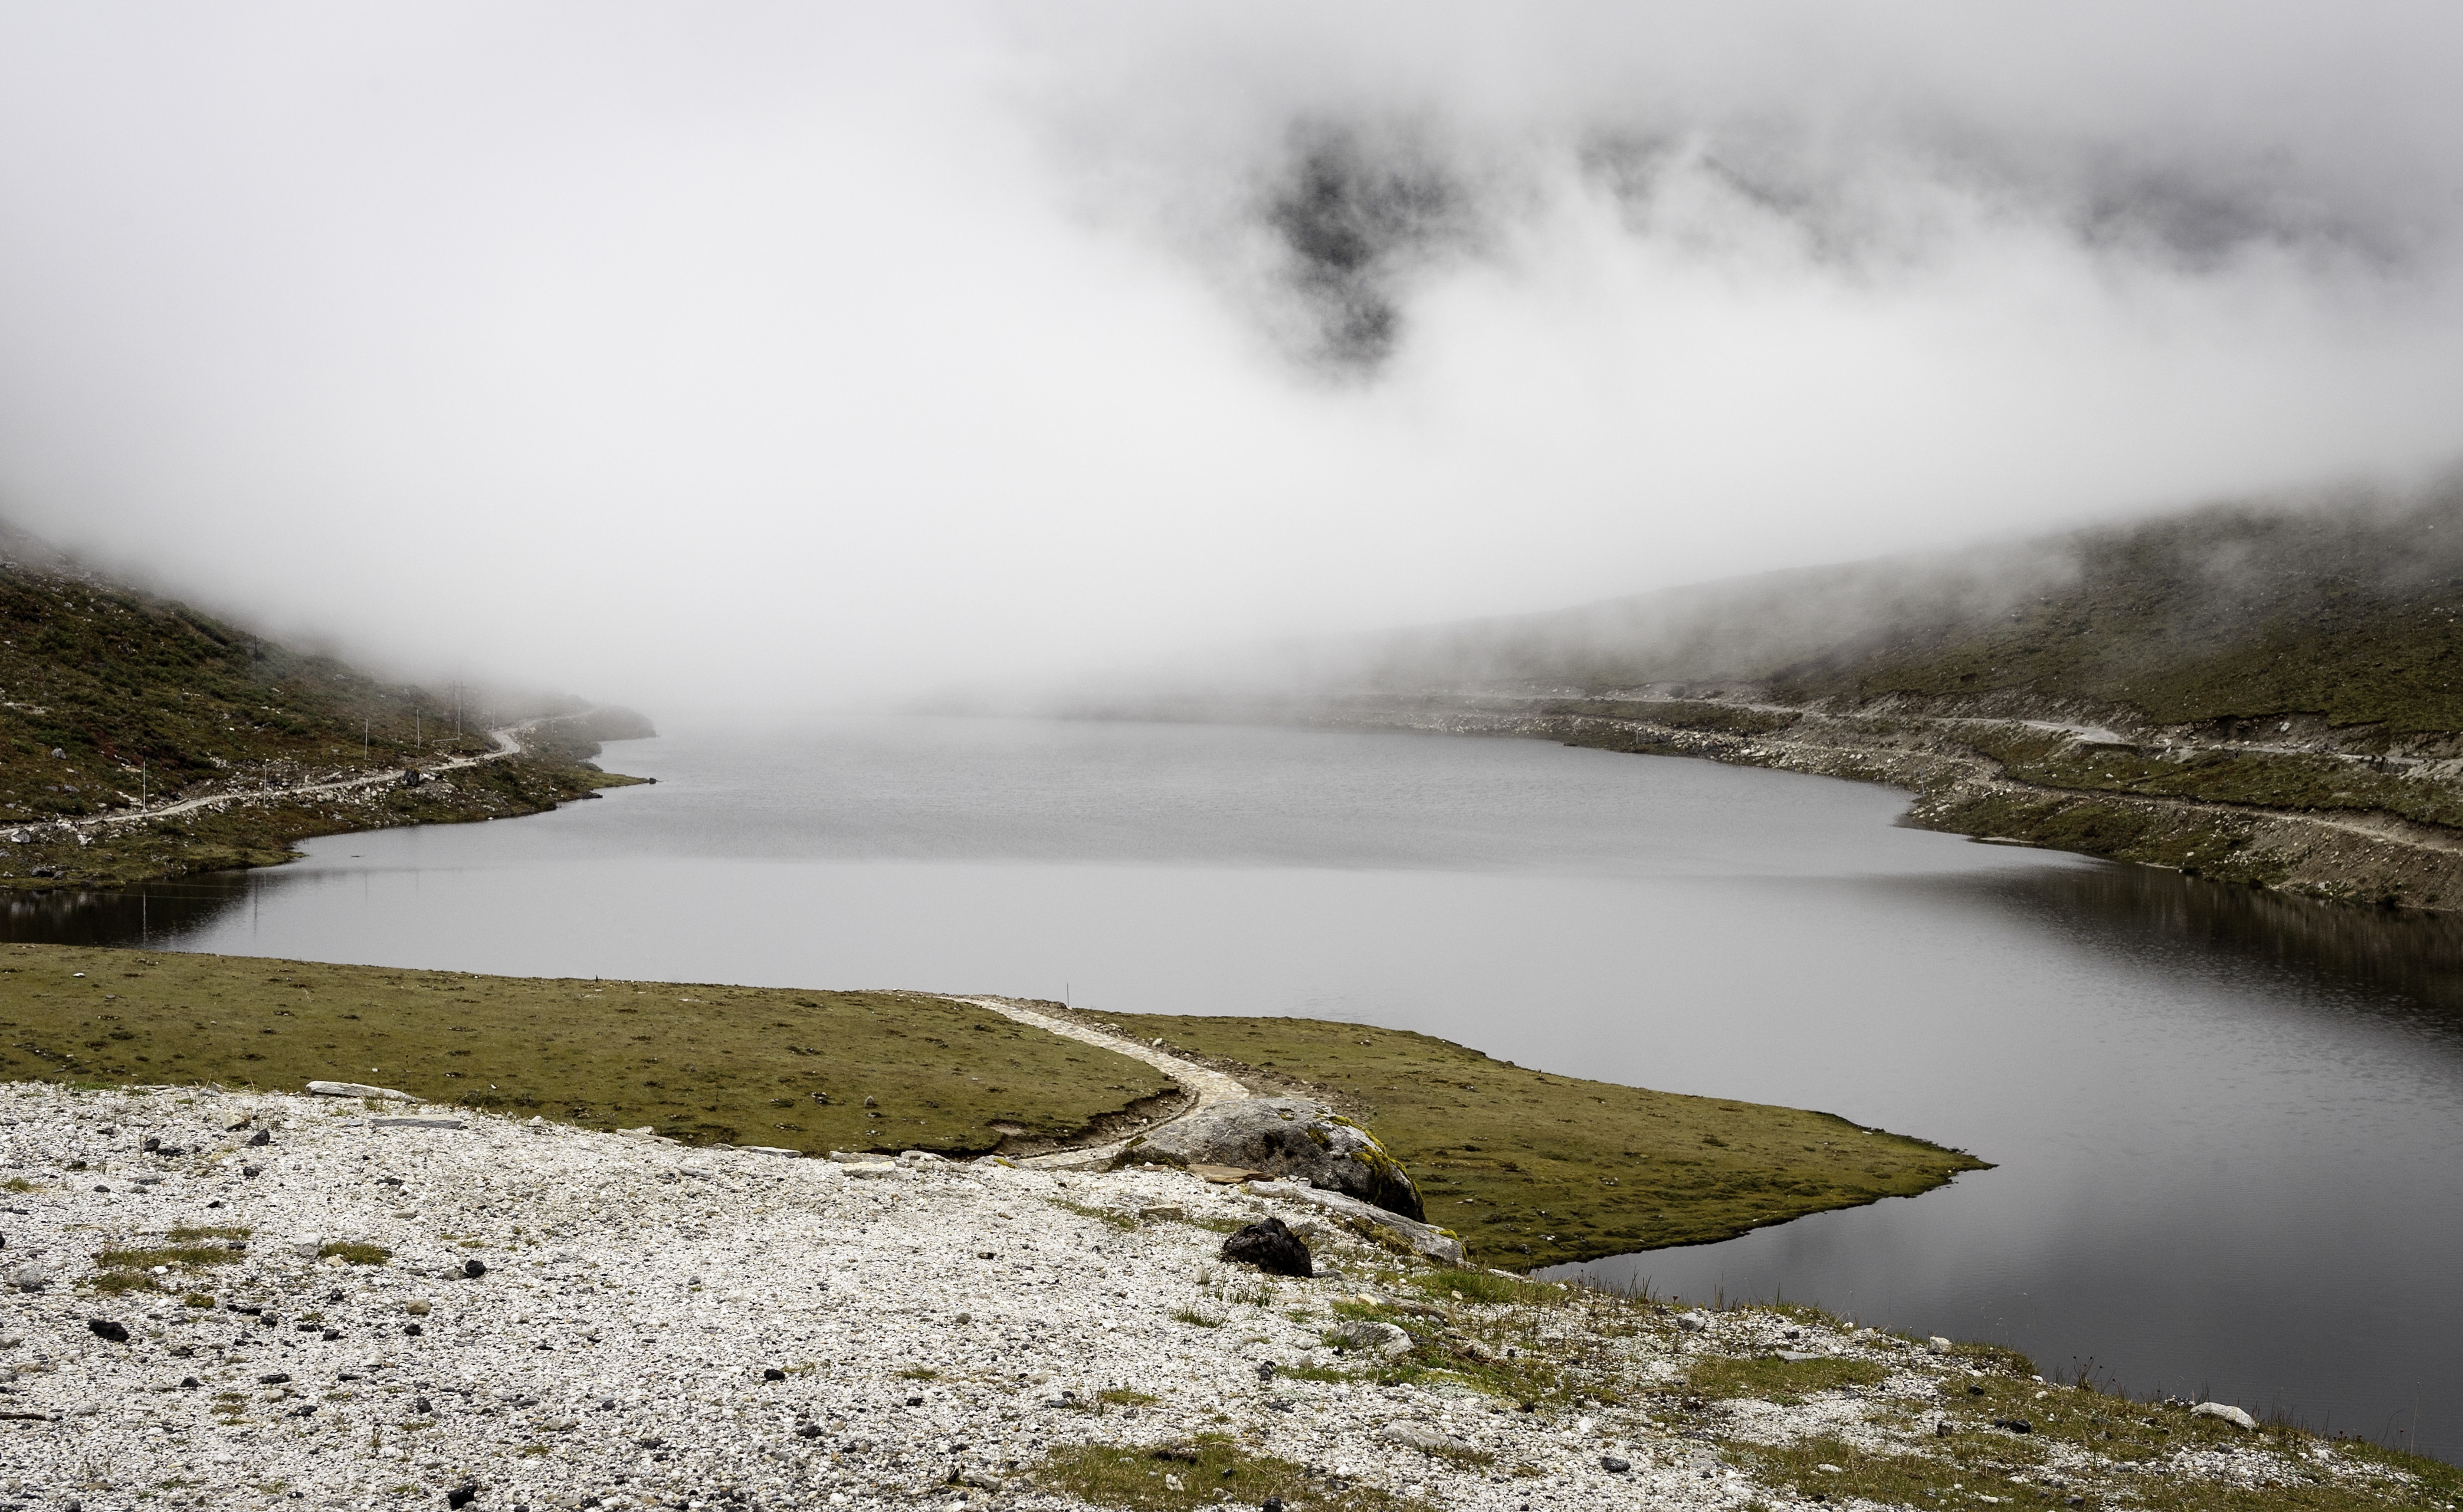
2352, 613
114, 702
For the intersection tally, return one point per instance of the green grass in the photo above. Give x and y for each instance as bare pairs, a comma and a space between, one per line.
703, 1064
1533, 1169
355, 1254
1788, 1382
1122, 1396
1133, 1477
185, 1256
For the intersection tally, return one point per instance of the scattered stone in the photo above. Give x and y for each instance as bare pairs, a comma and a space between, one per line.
1223, 1175
2227, 1411
473, 1269
2016, 1425
415, 1123
272, 1378
1938, 1345
1425, 1240
1695, 1322
107, 1331
773, 1374
779, 1150
260, 1139
1384, 1338
359, 1090
1269, 1246
1613, 1465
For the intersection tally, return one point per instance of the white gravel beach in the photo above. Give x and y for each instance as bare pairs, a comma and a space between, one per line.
658, 1326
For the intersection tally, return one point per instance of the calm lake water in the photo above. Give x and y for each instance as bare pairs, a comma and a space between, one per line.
2229, 1131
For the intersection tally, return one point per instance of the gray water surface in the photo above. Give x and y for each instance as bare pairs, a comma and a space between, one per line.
2227, 1129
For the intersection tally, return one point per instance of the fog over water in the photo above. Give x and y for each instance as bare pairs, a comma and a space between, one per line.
852, 352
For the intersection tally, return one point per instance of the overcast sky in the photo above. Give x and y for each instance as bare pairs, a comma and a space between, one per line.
701, 354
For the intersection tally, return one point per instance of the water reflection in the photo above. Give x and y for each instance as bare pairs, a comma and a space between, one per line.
2407, 966
154, 913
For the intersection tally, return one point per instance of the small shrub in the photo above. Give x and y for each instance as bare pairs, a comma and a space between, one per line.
1195, 1318
1122, 1396
355, 1253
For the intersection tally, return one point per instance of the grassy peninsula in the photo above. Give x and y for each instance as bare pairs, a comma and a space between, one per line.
1529, 1168
1535, 1169
803, 1070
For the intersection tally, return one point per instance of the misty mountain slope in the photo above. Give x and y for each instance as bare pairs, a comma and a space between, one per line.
2353, 614
115, 703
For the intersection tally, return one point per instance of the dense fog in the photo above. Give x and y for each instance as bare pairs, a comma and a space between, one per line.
779, 356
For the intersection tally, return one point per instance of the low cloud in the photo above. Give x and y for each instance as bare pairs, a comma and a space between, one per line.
776, 355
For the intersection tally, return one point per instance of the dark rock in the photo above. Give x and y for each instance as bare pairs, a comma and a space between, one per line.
151, 1144
1290, 1138
260, 1139
422, 1406
252, 1172
303, 1410
190, 1383
105, 1329
412, 1330
183, 1351
1265, 1369
2016, 1425
773, 1374
105, 1191
461, 1496
1271, 1247
1613, 1465
808, 1430
472, 1270
1271, 1504
273, 1378
915, 1401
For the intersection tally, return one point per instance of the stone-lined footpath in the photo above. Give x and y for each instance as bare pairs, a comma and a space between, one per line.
653, 1325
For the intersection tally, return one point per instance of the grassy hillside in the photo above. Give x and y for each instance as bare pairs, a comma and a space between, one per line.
1535, 1169
2228, 614
2351, 612
111, 698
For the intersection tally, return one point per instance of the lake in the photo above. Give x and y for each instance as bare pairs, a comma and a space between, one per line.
2228, 1129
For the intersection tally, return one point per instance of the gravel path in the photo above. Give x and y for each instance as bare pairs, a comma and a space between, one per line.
1206, 1086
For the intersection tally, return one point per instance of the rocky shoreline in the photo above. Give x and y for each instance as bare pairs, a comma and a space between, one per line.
2362, 856
256, 1299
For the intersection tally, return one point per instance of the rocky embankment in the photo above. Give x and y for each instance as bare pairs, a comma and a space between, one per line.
2110, 798
235, 1301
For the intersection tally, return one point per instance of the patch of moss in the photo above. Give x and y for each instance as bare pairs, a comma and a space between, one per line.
1209, 1471
1533, 1169
353, 1253
701, 1062
1788, 1382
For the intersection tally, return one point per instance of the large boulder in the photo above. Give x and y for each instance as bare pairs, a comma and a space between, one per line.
1286, 1137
